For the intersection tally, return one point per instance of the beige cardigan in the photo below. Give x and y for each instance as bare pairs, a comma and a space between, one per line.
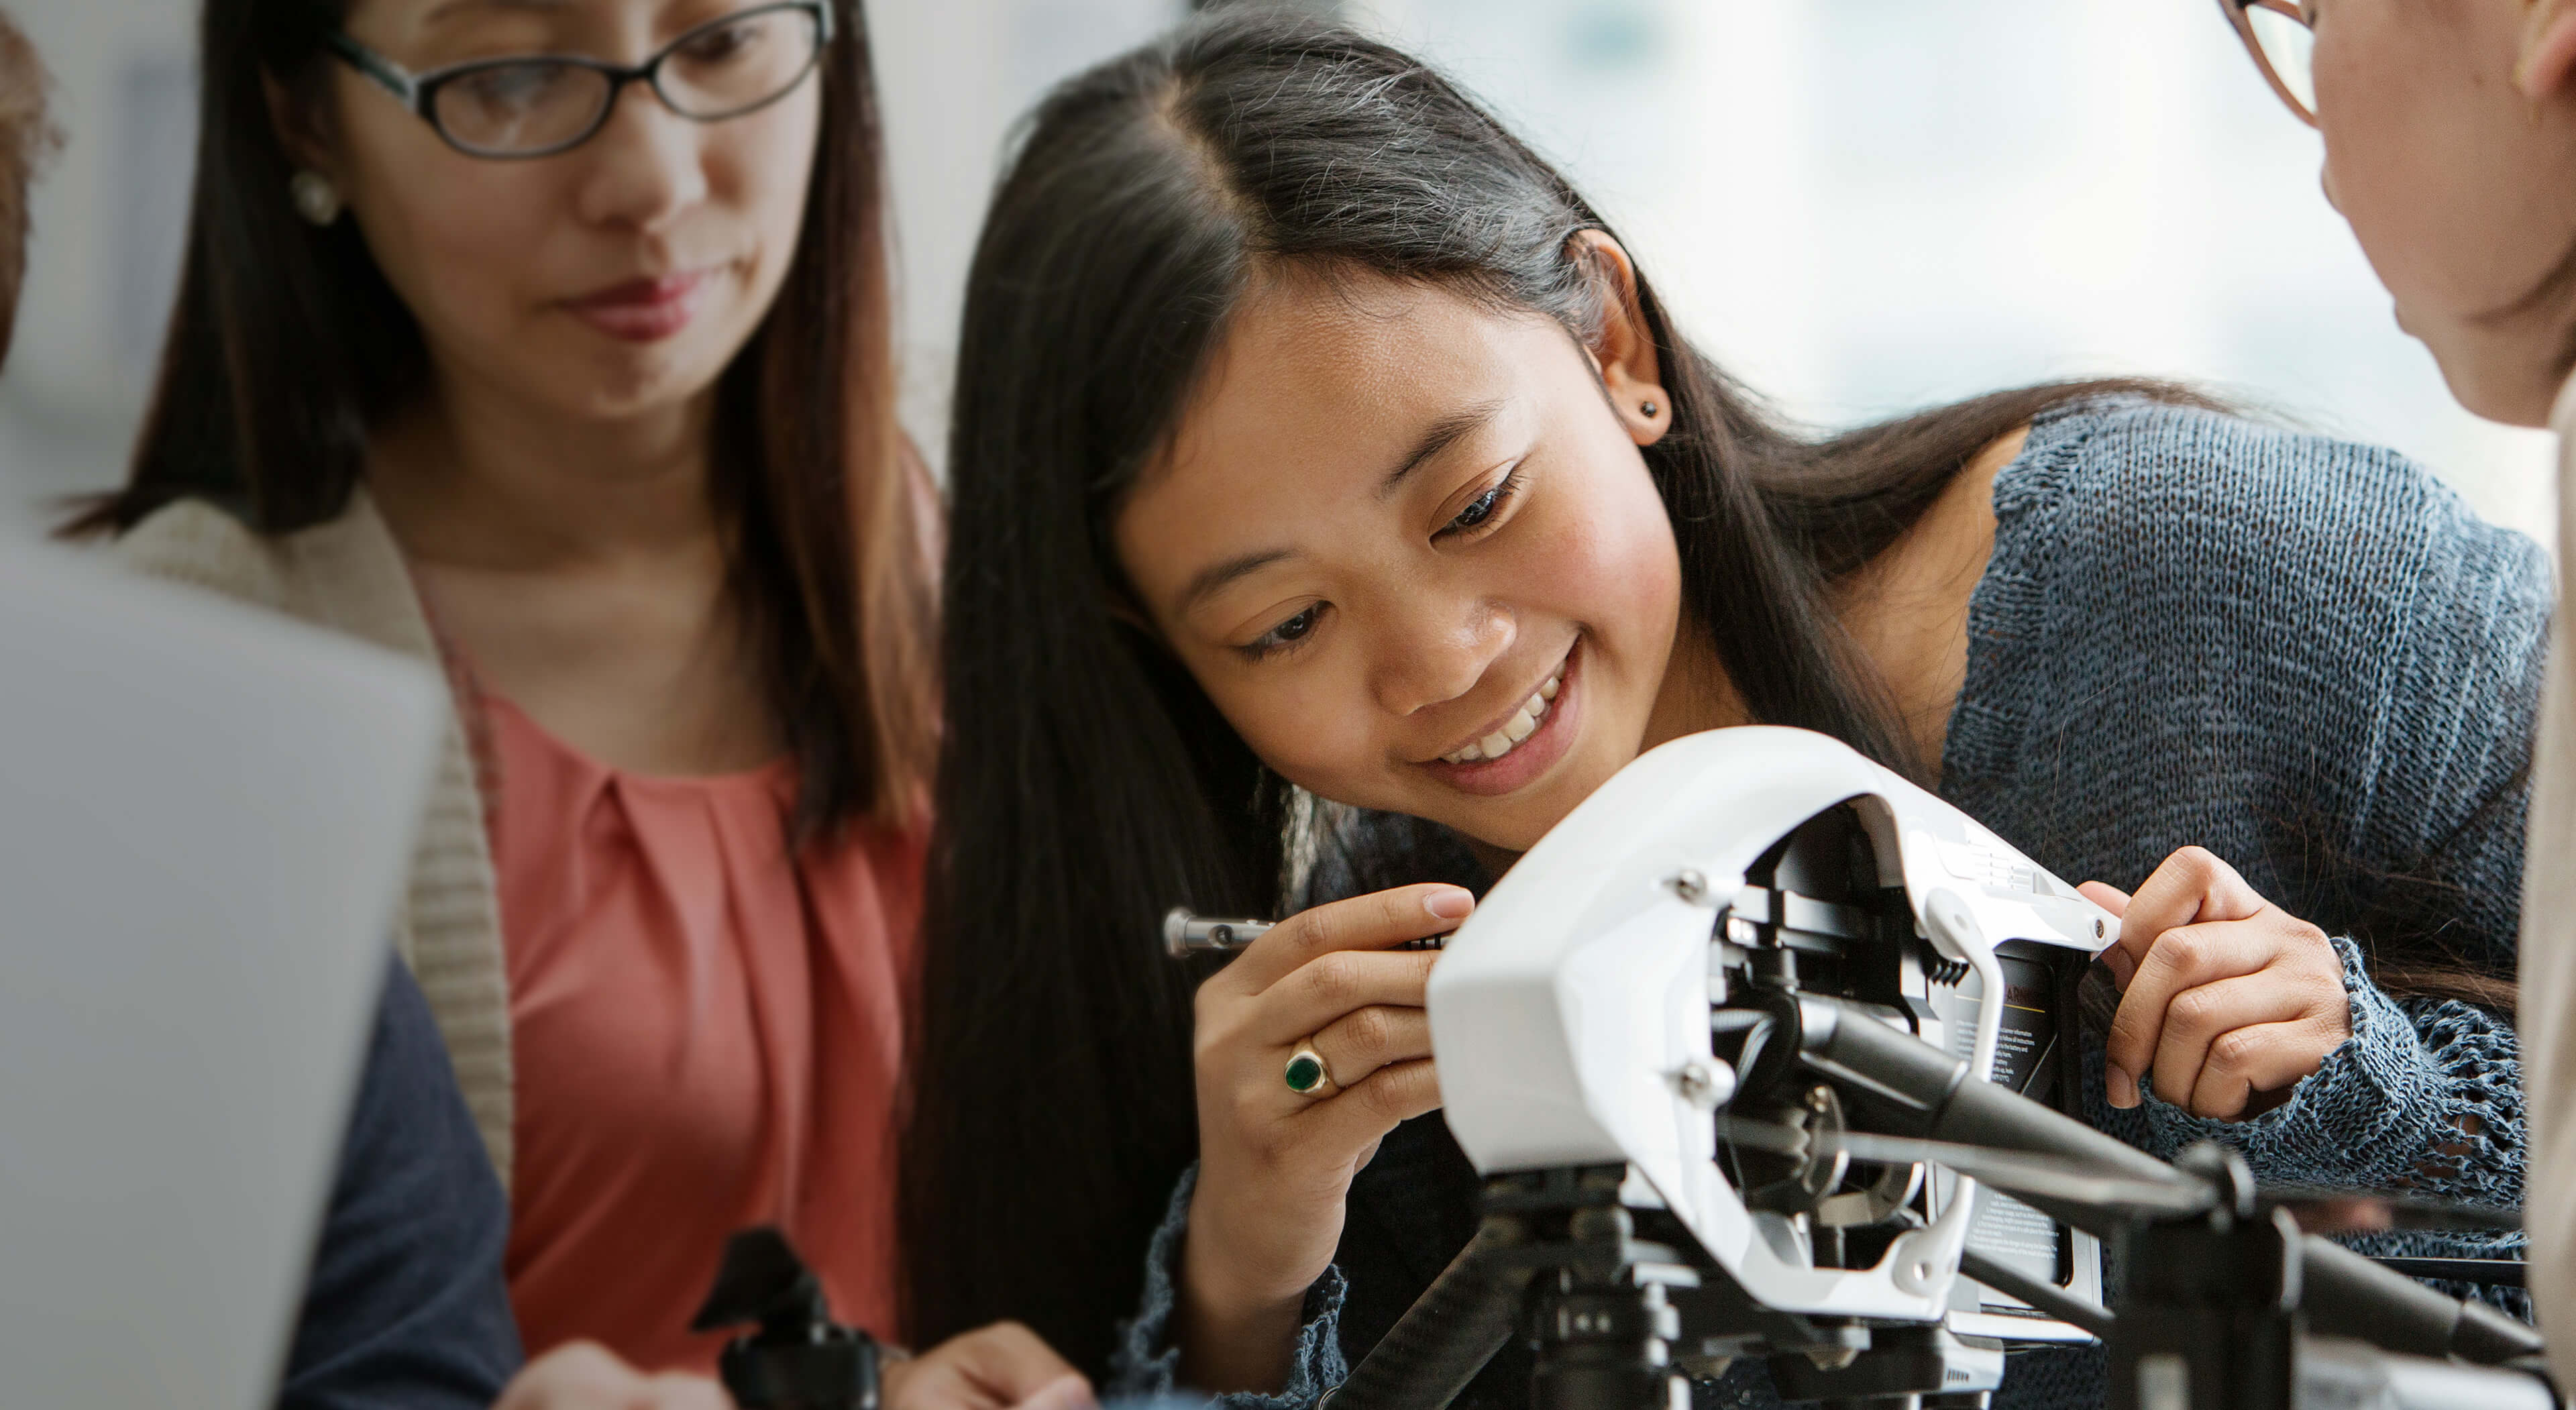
2547, 1021
348, 576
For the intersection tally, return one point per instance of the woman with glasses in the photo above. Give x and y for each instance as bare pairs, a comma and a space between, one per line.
1339, 447
2450, 146
548, 343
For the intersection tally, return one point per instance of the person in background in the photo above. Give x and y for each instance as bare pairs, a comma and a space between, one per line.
548, 344
1312, 433
404, 1304
2450, 147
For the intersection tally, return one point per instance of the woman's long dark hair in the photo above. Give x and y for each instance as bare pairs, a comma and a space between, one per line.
1087, 784
287, 345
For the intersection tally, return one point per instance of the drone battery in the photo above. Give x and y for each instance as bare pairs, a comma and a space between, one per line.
2036, 1055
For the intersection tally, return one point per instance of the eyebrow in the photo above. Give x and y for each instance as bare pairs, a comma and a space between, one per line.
453, 8
1438, 437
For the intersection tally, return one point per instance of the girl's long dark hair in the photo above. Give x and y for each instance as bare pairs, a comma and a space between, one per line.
1087, 784
287, 344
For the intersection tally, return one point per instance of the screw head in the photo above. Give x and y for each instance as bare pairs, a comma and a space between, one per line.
1689, 885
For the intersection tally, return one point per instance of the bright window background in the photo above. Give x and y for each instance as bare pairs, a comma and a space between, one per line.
1860, 206
1869, 205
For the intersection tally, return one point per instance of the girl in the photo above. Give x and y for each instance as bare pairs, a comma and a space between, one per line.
1314, 438
547, 343
2450, 132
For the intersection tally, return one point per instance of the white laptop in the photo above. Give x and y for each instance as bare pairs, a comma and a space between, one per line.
205, 818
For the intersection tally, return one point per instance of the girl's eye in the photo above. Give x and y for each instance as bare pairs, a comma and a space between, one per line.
1484, 506
1285, 635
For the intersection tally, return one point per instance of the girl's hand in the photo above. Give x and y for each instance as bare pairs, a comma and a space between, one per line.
2228, 999
1001, 1367
1275, 1164
584, 1375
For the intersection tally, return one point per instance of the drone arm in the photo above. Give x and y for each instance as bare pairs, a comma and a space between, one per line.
2341, 1288
1847, 1044
1449, 1333
2057, 1302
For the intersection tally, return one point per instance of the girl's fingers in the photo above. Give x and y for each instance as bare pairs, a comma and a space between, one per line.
2265, 1058
2191, 887
2181, 959
1327, 988
1364, 1040
2116, 957
2105, 895
2217, 1014
1357, 1117
1373, 922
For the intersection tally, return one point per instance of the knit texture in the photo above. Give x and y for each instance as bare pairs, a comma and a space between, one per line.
2304, 655
348, 575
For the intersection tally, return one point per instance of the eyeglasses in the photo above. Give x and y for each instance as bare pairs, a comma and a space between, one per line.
2277, 33
541, 104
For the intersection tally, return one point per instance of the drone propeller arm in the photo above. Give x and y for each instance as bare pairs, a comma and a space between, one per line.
1449, 1333
1933, 1087
2343, 1289
2340, 1288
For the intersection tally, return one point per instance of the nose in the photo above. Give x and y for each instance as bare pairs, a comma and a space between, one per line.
1441, 648
645, 167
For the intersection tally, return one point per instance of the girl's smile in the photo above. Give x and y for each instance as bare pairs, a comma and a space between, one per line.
1511, 752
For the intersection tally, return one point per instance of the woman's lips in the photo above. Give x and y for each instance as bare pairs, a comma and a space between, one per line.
643, 310
1532, 756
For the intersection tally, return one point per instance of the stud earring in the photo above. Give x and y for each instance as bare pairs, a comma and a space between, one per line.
1649, 409
315, 198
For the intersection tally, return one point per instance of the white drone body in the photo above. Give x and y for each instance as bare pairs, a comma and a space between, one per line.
1571, 1015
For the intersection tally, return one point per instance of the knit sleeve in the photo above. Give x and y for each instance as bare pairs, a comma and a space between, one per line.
2426, 1096
2437, 856
1146, 1361
2311, 658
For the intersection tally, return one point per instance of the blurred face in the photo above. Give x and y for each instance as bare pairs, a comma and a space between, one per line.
2461, 192
1411, 551
616, 278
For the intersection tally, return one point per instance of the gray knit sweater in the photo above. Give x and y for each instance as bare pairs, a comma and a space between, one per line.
2305, 655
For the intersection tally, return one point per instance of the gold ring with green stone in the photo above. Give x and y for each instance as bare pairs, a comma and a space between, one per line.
1306, 1073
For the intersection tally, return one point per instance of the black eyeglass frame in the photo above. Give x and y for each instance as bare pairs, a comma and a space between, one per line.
419, 91
2293, 10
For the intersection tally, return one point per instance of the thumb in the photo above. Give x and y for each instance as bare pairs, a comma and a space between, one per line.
1066, 1392
2107, 896
2116, 957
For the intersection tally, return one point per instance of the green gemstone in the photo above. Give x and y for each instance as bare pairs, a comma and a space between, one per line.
1304, 1071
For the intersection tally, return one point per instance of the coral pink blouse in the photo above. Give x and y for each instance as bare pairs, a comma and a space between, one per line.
706, 1032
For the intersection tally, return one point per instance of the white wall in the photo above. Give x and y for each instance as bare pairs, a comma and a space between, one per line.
104, 254
1859, 206
956, 75
1874, 204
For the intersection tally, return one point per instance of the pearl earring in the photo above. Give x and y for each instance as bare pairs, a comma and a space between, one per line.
1649, 409
315, 198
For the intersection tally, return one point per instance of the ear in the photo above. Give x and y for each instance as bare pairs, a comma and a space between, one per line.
2548, 50
299, 130
1623, 350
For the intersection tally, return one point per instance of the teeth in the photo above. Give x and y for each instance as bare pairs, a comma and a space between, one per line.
1519, 727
